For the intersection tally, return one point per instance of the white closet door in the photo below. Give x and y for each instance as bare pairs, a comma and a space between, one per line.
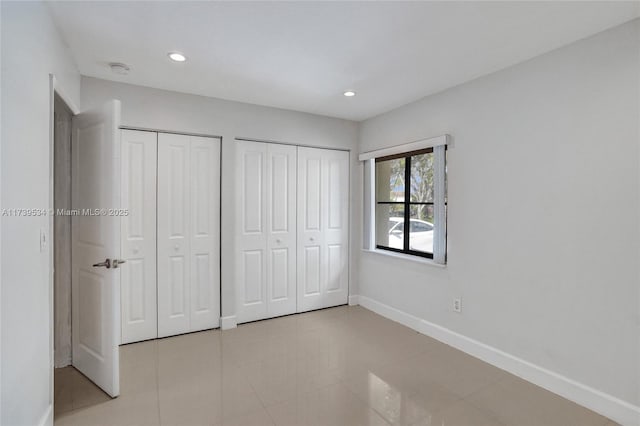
265, 230
173, 234
323, 231
138, 278
188, 233
205, 233
251, 231
281, 228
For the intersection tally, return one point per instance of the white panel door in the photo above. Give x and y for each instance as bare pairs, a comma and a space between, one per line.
323, 228
188, 233
205, 233
265, 230
174, 251
251, 231
281, 230
138, 279
95, 244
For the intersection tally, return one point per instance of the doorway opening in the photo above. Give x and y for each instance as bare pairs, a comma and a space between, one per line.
72, 390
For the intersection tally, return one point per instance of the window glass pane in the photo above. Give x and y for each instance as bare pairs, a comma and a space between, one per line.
390, 225
421, 228
390, 180
422, 185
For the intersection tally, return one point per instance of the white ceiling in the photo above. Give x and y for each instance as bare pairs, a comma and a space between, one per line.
303, 55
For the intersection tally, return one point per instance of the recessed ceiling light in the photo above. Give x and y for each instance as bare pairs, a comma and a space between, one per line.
349, 93
177, 57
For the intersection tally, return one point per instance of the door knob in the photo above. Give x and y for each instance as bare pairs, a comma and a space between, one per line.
311, 239
278, 241
117, 262
106, 264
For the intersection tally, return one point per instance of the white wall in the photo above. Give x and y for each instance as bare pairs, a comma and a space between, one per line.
544, 219
31, 49
164, 110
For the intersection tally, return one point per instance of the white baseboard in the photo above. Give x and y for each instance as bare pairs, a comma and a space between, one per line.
47, 417
227, 323
391, 313
353, 300
614, 408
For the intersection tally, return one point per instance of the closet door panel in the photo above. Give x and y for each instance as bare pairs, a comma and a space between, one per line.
336, 231
310, 235
205, 233
138, 276
335, 256
311, 268
279, 280
253, 171
312, 190
252, 276
251, 231
323, 197
281, 220
174, 274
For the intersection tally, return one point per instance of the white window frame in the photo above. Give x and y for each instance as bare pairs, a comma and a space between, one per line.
439, 145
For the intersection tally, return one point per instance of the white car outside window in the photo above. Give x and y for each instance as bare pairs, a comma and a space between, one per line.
420, 234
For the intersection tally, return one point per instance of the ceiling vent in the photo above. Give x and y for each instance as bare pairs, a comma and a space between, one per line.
119, 68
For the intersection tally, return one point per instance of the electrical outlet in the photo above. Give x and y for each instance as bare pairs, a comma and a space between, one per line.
457, 305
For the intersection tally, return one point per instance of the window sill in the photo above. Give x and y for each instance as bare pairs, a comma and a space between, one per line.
403, 256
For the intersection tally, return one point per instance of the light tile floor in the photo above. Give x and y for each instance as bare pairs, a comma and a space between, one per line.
340, 366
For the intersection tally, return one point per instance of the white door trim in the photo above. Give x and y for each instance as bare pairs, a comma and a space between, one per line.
54, 88
240, 139
171, 132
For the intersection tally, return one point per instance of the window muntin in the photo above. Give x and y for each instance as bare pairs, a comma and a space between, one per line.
406, 209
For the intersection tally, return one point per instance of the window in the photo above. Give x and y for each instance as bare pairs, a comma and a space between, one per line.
407, 200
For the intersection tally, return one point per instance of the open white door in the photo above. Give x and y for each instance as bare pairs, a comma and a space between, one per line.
95, 228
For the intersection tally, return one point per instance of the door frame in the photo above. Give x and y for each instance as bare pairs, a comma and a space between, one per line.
55, 88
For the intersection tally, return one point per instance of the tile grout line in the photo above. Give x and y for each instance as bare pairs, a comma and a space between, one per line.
493, 413
157, 355
244, 376
366, 403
